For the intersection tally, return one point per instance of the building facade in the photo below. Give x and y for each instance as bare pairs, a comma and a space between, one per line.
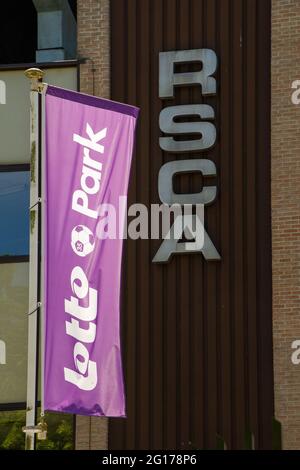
257, 46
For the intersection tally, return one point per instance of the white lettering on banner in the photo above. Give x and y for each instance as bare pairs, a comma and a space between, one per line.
85, 335
296, 354
91, 170
91, 143
81, 325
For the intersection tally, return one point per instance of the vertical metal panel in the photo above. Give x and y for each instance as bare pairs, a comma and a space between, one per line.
197, 335
157, 324
263, 211
250, 220
225, 181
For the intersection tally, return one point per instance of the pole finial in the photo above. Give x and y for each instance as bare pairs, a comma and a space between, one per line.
36, 77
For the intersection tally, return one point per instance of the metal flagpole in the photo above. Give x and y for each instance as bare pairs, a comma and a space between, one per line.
35, 270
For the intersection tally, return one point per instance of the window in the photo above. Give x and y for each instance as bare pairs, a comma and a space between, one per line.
14, 278
18, 32
14, 210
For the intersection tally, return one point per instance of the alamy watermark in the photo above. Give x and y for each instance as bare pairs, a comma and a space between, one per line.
159, 221
295, 346
2, 92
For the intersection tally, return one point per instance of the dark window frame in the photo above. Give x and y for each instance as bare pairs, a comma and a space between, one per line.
19, 406
10, 169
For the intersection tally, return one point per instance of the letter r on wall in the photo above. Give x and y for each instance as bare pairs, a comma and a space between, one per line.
168, 79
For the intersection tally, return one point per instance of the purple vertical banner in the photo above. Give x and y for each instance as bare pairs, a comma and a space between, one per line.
88, 147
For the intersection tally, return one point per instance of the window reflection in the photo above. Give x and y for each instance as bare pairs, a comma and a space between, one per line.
14, 213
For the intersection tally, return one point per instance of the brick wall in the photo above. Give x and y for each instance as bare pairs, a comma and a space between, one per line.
286, 215
93, 43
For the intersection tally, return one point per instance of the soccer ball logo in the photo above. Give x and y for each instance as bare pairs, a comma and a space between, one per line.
82, 240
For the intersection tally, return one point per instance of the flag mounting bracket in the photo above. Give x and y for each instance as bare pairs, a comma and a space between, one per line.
40, 429
34, 429
38, 305
39, 200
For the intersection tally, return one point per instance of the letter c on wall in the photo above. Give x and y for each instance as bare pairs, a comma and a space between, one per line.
170, 169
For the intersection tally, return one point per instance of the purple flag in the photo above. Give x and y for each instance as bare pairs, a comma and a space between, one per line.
89, 144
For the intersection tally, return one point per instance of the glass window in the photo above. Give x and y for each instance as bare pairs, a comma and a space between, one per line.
14, 213
13, 331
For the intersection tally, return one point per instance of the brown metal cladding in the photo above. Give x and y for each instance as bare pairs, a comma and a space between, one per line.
197, 335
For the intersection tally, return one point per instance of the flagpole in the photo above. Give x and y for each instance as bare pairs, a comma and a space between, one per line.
35, 269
